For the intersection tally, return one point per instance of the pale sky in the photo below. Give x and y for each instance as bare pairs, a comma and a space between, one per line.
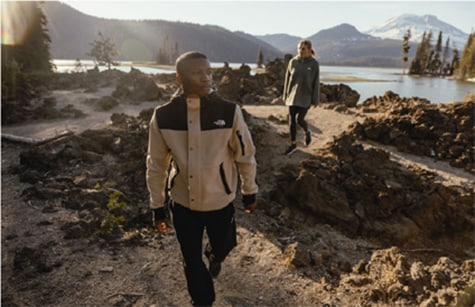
298, 18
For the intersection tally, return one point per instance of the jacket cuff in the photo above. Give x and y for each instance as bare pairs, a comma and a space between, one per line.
159, 214
249, 199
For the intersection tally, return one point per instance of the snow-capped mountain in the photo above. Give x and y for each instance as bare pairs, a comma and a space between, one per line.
396, 27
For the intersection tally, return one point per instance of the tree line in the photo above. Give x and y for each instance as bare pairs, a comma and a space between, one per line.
435, 60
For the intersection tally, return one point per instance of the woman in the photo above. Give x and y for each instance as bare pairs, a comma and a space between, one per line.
301, 90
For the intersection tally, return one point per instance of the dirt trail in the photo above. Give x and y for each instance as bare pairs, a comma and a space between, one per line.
327, 124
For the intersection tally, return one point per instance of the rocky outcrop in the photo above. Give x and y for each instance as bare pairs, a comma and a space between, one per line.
364, 193
442, 131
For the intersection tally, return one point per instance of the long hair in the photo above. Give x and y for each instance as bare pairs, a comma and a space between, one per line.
308, 44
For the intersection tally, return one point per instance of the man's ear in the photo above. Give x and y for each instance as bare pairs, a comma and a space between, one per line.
179, 79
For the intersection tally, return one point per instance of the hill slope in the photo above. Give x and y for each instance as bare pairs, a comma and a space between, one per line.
71, 32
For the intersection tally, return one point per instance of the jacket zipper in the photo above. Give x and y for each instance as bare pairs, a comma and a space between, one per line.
239, 136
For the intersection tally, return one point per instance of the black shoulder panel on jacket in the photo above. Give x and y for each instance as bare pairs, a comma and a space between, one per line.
172, 115
217, 113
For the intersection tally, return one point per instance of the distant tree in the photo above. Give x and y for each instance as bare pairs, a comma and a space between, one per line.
103, 51
445, 55
260, 58
405, 49
424, 54
167, 54
436, 63
467, 61
455, 61
428, 53
416, 64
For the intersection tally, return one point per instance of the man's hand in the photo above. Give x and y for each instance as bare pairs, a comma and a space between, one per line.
159, 219
250, 208
249, 202
162, 226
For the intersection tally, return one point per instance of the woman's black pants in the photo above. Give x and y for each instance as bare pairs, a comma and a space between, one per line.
297, 115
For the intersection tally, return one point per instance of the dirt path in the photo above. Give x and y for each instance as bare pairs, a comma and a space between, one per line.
326, 124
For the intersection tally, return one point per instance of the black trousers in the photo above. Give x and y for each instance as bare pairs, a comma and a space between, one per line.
190, 225
297, 115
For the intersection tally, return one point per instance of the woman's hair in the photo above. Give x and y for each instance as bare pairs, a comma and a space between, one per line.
308, 44
183, 59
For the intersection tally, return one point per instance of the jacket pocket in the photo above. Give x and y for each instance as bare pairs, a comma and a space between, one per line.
223, 179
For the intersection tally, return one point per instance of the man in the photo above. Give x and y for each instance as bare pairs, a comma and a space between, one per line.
208, 144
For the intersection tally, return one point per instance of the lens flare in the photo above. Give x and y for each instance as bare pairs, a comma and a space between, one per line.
16, 17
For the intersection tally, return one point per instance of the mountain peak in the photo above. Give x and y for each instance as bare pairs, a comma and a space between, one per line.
342, 31
396, 27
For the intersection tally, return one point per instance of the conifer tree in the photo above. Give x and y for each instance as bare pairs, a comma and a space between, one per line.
260, 58
435, 65
445, 65
24, 61
467, 61
455, 61
417, 63
32, 54
405, 49
428, 53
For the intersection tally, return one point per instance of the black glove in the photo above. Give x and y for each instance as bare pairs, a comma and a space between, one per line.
159, 214
249, 203
249, 199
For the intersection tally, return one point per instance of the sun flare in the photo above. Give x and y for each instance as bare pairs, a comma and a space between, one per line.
15, 21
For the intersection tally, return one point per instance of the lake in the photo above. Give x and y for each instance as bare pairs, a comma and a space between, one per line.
367, 81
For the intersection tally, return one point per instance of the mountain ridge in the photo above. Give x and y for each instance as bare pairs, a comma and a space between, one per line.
140, 40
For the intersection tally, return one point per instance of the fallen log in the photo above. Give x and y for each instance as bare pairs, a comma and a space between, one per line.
33, 141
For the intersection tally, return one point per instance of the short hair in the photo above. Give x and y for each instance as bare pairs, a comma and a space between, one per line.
183, 59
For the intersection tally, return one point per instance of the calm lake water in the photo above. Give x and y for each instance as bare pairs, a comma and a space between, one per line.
368, 82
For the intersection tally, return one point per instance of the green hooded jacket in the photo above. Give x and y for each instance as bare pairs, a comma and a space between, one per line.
302, 82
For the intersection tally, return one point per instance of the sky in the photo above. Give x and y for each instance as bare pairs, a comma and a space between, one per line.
298, 18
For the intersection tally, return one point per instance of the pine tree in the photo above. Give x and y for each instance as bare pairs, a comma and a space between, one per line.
260, 58
405, 49
427, 54
445, 65
417, 64
24, 62
435, 65
455, 61
467, 61
33, 53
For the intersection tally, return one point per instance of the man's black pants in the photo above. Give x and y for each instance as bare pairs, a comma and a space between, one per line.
221, 230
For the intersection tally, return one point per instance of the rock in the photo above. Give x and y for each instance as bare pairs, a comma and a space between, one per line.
298, 255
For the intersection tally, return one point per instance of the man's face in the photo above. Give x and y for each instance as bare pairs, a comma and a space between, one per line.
196, 78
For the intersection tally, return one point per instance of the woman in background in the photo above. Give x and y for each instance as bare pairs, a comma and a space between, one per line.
301, 90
